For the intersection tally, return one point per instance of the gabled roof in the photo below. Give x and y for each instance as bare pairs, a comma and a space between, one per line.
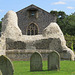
34, 6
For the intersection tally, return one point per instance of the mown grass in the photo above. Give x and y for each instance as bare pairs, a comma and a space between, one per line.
23, 68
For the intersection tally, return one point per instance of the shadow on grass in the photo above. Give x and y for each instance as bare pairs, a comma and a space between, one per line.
44, 72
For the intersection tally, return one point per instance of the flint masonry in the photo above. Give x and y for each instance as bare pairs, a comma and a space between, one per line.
32, 20
47, 35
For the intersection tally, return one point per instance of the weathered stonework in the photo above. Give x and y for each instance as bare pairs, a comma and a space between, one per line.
25, 54
2, 46
53, 61
36, 62
18, 46
10, 27
43, 20
11, 44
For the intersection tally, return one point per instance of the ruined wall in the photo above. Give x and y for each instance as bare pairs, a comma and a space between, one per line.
10, 27
51, 39
2, 45
18, 46
25, 54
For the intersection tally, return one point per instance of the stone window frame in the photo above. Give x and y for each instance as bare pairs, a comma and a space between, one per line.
32, 13
33, 28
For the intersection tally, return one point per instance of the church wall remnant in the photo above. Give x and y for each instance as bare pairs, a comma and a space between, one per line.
18, 46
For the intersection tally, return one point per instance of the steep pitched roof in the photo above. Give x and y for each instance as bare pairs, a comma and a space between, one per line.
34, 6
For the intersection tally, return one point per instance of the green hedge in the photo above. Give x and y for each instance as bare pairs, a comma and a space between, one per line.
70, 41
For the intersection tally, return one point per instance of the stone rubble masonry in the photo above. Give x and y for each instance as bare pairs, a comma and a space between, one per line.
51, 38
2, 45
10, 27
43, 20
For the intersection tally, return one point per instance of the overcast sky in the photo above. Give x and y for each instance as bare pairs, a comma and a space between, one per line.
68, 6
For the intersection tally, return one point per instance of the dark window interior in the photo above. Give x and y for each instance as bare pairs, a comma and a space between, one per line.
33, 13
32, 29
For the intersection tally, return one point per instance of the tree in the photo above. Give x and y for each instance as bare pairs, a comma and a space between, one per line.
55, 13
61, 15
70, 25
66, 22
73, 13
61, 20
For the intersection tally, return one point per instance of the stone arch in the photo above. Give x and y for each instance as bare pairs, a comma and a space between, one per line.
32, 29
36, 62
6, 66
53, 61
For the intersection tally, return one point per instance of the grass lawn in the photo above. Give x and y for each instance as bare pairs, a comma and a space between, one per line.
23, 68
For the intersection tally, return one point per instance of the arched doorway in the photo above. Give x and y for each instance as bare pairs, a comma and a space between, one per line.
32, 29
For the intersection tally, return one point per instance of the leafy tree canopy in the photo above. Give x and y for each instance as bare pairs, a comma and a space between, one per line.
66, 22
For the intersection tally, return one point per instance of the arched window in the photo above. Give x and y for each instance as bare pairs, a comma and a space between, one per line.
32, 29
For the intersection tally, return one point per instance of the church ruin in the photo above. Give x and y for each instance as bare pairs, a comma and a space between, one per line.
30, 30
32, 20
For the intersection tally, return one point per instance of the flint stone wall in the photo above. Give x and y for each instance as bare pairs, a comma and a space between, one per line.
11, 44
51, 38
43, 20
18, 54
25, 54
38, 45
44, 44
